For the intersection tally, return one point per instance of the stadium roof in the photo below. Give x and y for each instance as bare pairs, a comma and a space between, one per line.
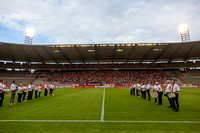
125, 52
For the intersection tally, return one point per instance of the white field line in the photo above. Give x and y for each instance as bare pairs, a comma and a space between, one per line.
97, 121
102, 110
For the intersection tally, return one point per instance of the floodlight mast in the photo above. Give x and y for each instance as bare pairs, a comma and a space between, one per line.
29, 36
184, 31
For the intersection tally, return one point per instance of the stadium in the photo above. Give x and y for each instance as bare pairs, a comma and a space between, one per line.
99, 66
86, 74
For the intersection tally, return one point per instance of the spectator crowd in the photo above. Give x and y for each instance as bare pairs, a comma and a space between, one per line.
106, 77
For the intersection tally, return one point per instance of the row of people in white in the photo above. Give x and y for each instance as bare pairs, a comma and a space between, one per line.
170, 88
22, 90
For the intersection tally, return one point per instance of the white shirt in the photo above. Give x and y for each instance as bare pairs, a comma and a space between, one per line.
13, 87
2, 86
20, 89
51, 86
158, 88
24, 88
148, 86
139, 86
45, 86
168, 88
40, 88
36, 88
175, 88
30, 87
143, 87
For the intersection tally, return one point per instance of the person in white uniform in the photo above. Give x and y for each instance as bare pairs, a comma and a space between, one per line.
144, 91
2, 87
24, 92
13, 88
45, 89
175, 89
30, 91
36, 91
20, 91
160, 93
138, 89
40, 89
168, 91
148, 86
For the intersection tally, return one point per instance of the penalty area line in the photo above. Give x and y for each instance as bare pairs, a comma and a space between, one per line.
98, 121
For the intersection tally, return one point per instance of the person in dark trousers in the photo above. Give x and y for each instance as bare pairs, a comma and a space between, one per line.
138, 89
45, 89
20, 91
160, 93
30, 91
154, 88
40, 89
131, 90
2, 86
141, 91
36, 91
168, 91
144, 91
24, 92
134, 89
51, 89
148, 93
13, 88
175, 89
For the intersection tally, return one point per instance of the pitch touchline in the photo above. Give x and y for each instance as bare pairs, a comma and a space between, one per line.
102, 110
97, 121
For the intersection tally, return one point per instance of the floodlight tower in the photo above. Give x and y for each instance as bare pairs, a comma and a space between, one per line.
29, 36
184, 31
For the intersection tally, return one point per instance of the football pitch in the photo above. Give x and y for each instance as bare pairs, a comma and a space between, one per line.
94, 110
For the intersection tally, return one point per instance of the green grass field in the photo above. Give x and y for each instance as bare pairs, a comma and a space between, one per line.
86, 104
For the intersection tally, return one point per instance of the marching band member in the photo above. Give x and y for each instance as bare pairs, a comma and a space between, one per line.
13, 88
175, 89
40, 89
131, 89
51, 89
154, 88
30, 91
138, 89
24, 92
147, 89
160, 93
141, 91
168, 90
144, 91
45, 90
20, 91
2, 86
36, 90
134, 89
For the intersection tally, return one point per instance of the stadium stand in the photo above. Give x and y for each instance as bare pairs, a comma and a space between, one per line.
100, 63
19, 77
108, 77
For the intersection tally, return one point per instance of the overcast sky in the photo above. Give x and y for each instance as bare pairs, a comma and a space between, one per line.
98, 21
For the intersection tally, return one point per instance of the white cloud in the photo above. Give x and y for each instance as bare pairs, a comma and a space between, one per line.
101, 21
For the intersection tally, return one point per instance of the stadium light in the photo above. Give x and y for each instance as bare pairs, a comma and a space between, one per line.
184, 31
29, 35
